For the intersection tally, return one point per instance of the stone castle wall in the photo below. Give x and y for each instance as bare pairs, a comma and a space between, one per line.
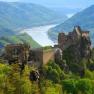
71, 38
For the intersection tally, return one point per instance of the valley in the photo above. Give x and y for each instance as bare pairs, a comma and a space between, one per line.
40, 34
46, 48
18, 15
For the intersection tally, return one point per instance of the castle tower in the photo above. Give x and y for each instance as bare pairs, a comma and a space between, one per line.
85, 33
77, 29
62, 38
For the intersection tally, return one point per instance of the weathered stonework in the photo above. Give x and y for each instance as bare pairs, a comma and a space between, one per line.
39, 57
78, 38
17, 53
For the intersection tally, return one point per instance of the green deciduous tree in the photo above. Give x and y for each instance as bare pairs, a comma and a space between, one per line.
84, 86
69, 86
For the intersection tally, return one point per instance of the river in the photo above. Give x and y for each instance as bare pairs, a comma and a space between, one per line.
40, 34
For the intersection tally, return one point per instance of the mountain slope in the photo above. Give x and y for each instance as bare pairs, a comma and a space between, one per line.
23, 15
16, 16
84, 18
6, 32
16, 39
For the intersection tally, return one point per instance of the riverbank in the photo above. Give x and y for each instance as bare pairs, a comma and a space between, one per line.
40, 34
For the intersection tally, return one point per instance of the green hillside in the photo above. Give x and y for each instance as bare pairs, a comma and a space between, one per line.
19, 15
23, 38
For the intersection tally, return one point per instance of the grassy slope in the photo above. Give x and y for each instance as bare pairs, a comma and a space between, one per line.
23, 38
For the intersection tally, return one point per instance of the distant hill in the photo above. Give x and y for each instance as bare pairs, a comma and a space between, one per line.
84, 18
19, 15
6, 32
22, 38
8, 36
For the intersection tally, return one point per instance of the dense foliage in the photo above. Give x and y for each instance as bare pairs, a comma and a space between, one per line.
52, 81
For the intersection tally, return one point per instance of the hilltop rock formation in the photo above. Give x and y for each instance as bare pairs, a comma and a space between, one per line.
79, 40
76, 47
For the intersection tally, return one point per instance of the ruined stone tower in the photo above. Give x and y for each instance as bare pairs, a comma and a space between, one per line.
17, 53
78, 38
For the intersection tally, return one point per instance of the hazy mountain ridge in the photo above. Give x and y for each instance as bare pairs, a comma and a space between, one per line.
15, 16
84, 18
6, 32
23, 15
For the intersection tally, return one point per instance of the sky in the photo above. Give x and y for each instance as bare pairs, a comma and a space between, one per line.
60, 3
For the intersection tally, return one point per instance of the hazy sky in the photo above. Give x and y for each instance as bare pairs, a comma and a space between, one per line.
60, 3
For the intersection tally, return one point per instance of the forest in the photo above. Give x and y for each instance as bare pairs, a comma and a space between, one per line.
55, 77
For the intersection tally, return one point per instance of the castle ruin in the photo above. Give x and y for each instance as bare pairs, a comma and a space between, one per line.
78, 37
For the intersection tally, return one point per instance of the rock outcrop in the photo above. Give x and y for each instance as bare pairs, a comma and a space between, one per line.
79, 40
76, 47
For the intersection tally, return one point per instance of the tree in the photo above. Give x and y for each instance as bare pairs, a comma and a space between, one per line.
89, 74
48, 87
53, 72
5, 86
84, 86
69, 86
